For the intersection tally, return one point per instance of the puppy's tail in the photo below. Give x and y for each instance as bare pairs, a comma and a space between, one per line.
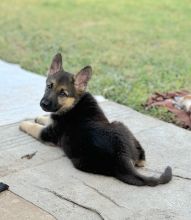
132, 177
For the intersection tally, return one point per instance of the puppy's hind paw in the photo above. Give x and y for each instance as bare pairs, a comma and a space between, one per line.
140, 163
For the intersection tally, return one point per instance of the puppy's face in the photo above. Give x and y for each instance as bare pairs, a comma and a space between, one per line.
63, 89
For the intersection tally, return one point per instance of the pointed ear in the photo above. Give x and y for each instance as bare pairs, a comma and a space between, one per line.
56, 64
81, 78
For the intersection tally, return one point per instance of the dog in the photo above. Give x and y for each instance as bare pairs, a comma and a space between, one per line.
78, 125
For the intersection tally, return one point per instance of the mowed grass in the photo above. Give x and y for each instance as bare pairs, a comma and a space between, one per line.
134, 47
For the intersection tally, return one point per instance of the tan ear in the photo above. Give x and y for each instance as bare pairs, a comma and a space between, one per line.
81, 78
56, 64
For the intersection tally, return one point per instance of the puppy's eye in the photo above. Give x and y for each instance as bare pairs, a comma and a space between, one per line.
49, 86
63, 93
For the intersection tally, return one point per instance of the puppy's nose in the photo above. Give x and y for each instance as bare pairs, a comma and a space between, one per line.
45, 103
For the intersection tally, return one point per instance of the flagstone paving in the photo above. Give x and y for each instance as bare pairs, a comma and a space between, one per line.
48, 186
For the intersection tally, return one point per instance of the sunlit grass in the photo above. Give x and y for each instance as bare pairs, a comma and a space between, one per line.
134, 47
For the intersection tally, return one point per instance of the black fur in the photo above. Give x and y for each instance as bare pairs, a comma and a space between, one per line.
95, 145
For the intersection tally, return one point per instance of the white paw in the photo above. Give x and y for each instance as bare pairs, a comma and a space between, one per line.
38, 120
42, 120
24, 125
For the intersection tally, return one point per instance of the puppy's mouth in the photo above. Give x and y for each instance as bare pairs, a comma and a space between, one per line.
45, 109
48, 107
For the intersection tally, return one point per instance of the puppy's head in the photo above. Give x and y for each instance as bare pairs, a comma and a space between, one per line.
63, 89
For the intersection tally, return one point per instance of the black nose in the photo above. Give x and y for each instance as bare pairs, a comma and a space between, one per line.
45, 104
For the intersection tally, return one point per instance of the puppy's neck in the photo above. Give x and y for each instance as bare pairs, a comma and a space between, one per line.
63, 113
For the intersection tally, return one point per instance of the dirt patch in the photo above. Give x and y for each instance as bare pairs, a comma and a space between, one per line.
178, 103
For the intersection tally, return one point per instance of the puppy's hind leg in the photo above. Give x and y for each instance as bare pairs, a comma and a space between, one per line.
141, 155
125, 172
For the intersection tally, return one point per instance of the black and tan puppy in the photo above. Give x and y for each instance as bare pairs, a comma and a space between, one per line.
78, 125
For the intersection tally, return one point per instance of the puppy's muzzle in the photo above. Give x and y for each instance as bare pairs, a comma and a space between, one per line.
45, 104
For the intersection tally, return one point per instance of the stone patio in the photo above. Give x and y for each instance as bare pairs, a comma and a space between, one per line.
47, 185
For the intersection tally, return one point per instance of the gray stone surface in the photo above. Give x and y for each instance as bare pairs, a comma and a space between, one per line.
49, 180
14, 207
20, 93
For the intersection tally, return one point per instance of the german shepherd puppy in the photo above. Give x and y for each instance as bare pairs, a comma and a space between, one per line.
79, 126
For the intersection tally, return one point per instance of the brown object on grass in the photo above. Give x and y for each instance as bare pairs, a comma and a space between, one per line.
168, 100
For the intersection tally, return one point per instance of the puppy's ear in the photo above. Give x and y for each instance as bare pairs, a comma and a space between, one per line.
56, 64
81, 79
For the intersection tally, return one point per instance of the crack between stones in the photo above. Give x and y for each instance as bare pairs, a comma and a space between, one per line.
181, 177
100, 193
174, 175
73, 202
105, 196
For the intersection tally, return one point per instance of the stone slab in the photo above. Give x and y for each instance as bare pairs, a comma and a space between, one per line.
50, 177
11, 206
20, 93
67, 193
49, 180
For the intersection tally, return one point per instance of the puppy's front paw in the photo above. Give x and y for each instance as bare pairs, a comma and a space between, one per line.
31, 128
38, 120
24, 126
42, 120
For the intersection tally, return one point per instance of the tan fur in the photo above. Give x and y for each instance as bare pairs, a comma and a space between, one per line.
31, 128
60, 87
43, 120
140, 163
66, 103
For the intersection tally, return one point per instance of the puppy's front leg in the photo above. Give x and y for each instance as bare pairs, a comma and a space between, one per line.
31, 128
43, 120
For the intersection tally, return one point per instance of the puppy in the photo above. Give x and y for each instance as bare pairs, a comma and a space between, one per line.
79, 126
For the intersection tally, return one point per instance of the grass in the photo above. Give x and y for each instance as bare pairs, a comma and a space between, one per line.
134, 47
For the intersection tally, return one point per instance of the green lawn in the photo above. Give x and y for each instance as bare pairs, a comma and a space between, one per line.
134, 47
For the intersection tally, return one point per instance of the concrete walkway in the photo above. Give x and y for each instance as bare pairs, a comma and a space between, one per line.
48, 186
